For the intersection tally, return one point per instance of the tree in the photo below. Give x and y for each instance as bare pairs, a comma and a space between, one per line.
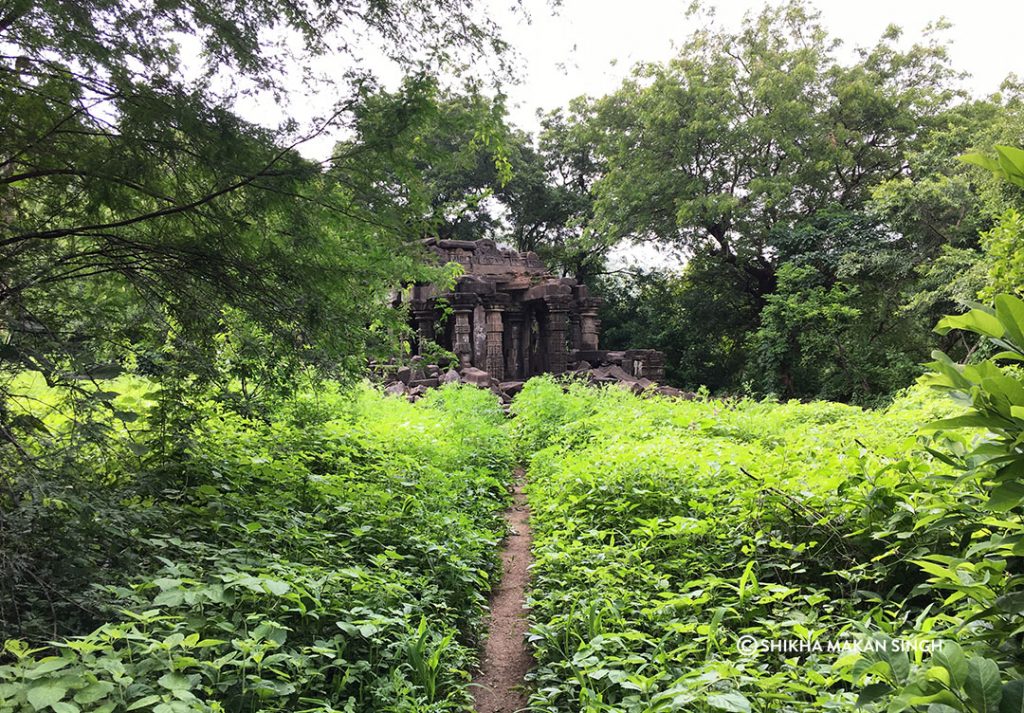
145, 226
747, 131
558, 224
700, 317
135, 205
836, 327
750, 139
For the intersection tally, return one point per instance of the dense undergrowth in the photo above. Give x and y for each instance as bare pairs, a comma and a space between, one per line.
666, 531
335, 552
333, 557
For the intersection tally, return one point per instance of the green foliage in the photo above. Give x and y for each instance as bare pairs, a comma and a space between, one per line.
700, 318
1002, 246
752, 129
335, 557
995, 396
665, 531
835, 327
130, 189
760, 150
482, 178
144, 226
1008, 164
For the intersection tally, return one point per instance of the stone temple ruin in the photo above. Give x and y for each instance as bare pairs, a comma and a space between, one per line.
507, 319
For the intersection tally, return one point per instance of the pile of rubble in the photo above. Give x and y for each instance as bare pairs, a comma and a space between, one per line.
414, 380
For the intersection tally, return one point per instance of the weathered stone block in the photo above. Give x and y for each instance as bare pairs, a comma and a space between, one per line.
617, 372
450, 377
511, 387
476, 377
396, 389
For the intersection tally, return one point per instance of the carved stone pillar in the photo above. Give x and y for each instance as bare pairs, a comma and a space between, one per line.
423, 316
494, 363
558, 324
590, 326
529, 346
513, 343
575, 330
462, 306
478, 337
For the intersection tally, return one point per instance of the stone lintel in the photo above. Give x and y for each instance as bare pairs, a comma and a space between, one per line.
457, 244
477, 285
497, 301
464, 301
548, 290
560, 302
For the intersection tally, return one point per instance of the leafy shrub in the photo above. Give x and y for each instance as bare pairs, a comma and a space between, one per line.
334, 558
666, 531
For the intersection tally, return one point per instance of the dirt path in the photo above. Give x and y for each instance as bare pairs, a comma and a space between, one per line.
506, 659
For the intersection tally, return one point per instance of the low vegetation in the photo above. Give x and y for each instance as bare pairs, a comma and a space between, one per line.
677, 542
336, 558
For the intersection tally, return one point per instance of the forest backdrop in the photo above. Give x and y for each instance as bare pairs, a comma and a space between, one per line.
815, 212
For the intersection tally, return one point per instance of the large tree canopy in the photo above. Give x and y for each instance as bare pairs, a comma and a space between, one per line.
135, 205
748, 130
146, 227
752, 139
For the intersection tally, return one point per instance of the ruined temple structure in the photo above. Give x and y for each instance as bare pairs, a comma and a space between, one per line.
510, 317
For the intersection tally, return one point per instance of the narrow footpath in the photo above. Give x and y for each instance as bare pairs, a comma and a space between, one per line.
499, 686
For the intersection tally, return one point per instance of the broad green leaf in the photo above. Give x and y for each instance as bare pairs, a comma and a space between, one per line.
731, 701
46, 666
145, 702
872, 692
275, 586
175, 681
1006, 496
1008, 355
973, 420
94, 692
1013, 697
1010, 310
951, 657
1011, 161
935, 569
983, 686
975, 321
981, 160
44, 694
